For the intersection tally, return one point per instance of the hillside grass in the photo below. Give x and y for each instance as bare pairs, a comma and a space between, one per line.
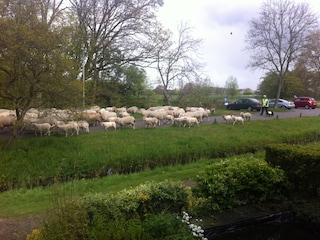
147, 154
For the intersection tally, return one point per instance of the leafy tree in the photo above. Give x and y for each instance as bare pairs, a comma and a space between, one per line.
125, 88
292, 84
231, 86
175, 60
277, 36
309, 61
33, 71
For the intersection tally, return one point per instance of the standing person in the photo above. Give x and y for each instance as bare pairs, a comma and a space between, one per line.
265, 105
226, 101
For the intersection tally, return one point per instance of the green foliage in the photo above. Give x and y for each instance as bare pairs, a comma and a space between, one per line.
144, 212
291, 85
67, 220
301, 164
144, 200
240, 181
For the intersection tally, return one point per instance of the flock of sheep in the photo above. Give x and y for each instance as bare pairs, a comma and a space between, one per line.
71, 122
244, 116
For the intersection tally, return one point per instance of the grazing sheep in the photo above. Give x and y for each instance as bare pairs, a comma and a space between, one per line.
69, 126
132, 109
83, 125
129, 120
196, 114
170, 119
246, 115
105, 115
179, 121
108, 125
91, 116
124, 114
237, 119
227, 118
150, 121
190, 121
7, 121
41, 127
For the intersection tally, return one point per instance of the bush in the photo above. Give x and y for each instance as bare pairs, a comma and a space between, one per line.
240, 181
136, 213
300, 163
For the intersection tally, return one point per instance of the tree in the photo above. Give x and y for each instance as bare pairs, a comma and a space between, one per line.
111, 33
175, 60
291, 85
309, 61
231, 86
33, 70
277, 36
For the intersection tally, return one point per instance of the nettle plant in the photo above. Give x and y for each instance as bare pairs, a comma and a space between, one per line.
233, 182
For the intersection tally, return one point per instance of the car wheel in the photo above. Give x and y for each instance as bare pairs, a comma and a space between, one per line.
283, 107
306, 107
249, 109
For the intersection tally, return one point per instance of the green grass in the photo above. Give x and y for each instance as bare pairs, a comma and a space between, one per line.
162, 149
23, 202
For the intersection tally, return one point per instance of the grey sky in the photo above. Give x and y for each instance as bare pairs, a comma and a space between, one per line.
213, 21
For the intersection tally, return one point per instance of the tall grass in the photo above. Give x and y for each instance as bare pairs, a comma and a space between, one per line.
41, 161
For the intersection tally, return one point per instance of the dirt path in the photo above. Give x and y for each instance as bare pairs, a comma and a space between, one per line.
18, 228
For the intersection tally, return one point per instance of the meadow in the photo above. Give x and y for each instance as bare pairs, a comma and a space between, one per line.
34, 170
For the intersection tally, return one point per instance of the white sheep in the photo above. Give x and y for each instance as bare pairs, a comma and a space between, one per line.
108, 125
227, 118
237, 119
42, 127
245, 115
105, 115
170, 119
129, 120
179, 121
190, 121
69, 126
83, 124
7, 121
124, 114
150, 121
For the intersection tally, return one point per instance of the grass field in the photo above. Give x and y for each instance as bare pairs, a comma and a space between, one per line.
135, 157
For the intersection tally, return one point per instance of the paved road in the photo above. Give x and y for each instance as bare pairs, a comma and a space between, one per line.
255, 116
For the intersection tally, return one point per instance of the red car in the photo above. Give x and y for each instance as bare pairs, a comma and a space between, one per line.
305, 102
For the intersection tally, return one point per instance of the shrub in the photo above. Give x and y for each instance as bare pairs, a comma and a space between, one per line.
300, 163
130, 214
240, 181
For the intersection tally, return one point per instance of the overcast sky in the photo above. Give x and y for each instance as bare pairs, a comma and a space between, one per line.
213, 21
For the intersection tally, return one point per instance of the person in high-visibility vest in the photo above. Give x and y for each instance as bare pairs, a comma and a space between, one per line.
265, 105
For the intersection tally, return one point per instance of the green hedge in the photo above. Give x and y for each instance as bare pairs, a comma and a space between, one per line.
240, 181
301, 164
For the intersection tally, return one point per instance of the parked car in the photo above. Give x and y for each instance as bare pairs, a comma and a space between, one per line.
249, 104
282, 103
305, 102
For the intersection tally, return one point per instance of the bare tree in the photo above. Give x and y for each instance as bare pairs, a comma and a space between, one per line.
176, 61
277, 36
112, 33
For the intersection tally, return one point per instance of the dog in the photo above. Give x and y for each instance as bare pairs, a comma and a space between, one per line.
270, 113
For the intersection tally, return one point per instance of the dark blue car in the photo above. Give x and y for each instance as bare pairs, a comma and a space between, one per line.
249, 104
